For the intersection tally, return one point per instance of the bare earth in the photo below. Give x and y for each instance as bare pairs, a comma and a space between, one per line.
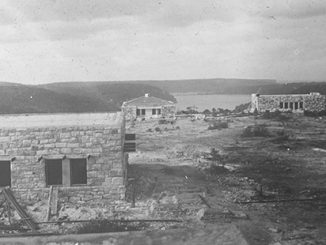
172, 176
170, 168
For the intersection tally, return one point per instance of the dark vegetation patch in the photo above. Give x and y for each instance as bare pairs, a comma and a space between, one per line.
217, 163
241, 108
315, 113
277, 115
102, 226
280, 175
72, 97
166, 121
298, 144
256, 131
217, 124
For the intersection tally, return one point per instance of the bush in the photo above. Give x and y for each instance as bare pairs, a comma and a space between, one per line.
218, 125
216, 170
207, 112
256, 131
315, 113
157, 129
276, 115
215, 155
165, 121
217, 166
241, 108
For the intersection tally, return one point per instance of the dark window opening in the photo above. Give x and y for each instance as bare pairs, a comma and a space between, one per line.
5, 174
291, 105
138, 112
153, 111
281, 105
296, 105
53, 171
301, 105
78, 171
286, 105
158, 111
143, 112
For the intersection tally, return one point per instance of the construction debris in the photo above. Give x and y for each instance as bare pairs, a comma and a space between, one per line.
10, 199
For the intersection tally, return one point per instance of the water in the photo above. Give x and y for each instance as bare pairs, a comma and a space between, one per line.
210, 101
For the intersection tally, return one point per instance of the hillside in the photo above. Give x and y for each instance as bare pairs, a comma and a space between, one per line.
236, 86
71, 97
211, 86
108, 96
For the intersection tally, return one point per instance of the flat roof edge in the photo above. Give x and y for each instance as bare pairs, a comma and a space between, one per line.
59, 120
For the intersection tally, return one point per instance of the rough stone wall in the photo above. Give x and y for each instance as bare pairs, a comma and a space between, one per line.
311, 102
315, 102
130, 112
105, 165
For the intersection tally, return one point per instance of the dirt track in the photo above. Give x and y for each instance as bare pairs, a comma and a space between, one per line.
289, 163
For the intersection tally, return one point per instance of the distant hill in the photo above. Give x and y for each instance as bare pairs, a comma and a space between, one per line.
211, 86
108, 96
236, 86
292, 88
71, 97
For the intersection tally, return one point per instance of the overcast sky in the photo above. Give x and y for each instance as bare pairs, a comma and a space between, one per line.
46, 41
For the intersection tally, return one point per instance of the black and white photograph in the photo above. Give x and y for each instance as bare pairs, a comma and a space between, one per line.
162, 122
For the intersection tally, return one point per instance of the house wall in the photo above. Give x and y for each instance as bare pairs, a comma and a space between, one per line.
166, 112
311, 102
28, 140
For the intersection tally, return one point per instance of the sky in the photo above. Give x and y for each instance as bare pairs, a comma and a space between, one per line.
45, 41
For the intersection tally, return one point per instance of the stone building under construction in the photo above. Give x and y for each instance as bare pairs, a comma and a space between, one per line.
81, 155
314, 102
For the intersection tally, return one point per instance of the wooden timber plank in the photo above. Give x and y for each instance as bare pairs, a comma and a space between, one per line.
10, 197
48, 213
54, 201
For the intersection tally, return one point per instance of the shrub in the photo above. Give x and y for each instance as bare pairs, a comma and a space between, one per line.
215, 155
207, 112
315, 113
157, 129
216, 170
167, 121
163, 121
241, 108
256, 131
217, 166
276, 115
218, 125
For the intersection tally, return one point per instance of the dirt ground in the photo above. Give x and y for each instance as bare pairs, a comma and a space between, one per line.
171, 170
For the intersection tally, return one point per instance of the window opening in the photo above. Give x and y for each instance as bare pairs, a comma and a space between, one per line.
78, 171
53, 171
296, 105
5, 174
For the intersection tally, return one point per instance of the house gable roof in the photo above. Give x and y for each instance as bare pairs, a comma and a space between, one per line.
148, 101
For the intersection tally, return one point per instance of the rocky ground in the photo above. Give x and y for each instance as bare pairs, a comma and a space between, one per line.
264, 181
258, 160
